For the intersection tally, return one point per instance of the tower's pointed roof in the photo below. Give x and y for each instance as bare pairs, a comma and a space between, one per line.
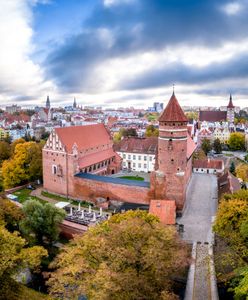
173, 111
230, 104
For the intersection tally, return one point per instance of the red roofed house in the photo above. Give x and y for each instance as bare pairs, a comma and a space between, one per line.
209, 166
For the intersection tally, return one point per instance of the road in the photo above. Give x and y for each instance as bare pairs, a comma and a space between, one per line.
200, 207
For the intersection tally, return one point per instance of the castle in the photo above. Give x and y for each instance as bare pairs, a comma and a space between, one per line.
77, 159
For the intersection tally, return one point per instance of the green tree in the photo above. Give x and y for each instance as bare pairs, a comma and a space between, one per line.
236, 141
192, 115
4, 151
128, 132
40, 224
151, 130
217, 146
232, 168
14, 256
206, 146
131, 256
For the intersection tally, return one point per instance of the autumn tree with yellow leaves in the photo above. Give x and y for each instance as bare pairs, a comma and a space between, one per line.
14, 257
232, 226
130, 256
25, 164
242, 171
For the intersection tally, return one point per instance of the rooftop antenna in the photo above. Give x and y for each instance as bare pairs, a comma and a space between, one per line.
173, 87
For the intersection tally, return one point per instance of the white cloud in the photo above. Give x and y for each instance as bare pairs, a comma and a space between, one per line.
117, 2
232, 8
19, 75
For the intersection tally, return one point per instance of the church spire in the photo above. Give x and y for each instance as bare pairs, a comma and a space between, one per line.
230, 104
74, 103
48, 104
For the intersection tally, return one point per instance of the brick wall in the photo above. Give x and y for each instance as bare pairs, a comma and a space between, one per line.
90, 189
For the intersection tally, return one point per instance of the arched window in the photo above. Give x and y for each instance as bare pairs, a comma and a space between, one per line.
54, 169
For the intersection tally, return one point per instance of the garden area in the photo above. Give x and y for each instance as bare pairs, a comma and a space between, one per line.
138, 178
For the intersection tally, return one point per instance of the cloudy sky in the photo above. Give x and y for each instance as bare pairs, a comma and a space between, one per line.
123, 52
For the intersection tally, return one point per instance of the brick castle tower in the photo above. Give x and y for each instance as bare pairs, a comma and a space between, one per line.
174, 165
172, 150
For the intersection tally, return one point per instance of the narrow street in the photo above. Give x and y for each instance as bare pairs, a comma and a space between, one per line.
200, 208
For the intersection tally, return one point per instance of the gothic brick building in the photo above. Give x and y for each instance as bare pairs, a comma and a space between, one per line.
71, 150
76, 160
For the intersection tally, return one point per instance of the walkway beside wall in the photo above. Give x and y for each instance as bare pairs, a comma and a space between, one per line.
200, 209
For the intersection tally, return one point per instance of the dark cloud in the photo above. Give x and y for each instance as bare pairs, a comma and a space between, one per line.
144, 26
236, 68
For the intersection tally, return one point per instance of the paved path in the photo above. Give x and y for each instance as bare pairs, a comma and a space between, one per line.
200, 207
37, 193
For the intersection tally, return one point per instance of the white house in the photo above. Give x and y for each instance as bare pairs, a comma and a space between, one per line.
208, 166
138, 154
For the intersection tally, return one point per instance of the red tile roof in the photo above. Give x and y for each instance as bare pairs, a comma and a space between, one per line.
191, 146
212, 115
147, 145
173, 112
95, 158
228, 183
208, 164
138, 145
165, 210
84, 137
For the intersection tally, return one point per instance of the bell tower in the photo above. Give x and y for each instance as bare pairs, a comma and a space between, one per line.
172, 151
230, 111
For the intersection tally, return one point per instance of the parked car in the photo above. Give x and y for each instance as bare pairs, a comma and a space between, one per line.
30, 187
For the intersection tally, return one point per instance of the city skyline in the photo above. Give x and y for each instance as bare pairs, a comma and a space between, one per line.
92, 51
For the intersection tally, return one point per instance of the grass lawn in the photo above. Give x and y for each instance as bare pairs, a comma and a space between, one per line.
24, 195
61, 198
138, 178
228, 154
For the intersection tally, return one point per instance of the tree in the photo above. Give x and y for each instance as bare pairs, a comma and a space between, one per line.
16, 142
25, 165
151, 131
232, 168
242, 172
14, 256
217, 146
4, 151
206, 145
10, 214
130, 256
192, 115
199, 154
41, 222
232, 226
128, 132
236, 141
